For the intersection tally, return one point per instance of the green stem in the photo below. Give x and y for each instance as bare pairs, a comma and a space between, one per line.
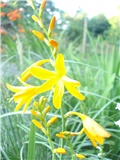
71, 148
51, 144
49, 138
63, 129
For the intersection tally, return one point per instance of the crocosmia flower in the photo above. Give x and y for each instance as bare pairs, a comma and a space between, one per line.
23, 95
92, 129
58, 80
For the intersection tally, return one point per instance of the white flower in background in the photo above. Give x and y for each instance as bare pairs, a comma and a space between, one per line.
118, 122
118, 107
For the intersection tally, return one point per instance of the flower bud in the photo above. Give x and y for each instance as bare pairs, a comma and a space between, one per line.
43, 5
46, 110
60, 135
37, 124
34, 113
59, 150
53, 43
40, 126
36, 104
36, 19
80, 156
52, 23
38, 34
52, 120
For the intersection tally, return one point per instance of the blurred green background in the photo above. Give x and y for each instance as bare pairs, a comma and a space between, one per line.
91, 47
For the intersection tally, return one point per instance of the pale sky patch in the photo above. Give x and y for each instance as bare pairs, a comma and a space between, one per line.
92, 7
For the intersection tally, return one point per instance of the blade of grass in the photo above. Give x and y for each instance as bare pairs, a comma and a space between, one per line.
31, 145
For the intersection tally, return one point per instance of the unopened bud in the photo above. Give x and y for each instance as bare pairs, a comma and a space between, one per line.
36, 19
37, 124
40, 126
60, 135
53, 43
80, 156
59, 151
52, 23
43, 5
34, 113
46, 110
36, 104
52, 120
38, 34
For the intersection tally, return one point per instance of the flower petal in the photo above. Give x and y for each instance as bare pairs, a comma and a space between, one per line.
48, 85
26, 74
59, 65
90, 137
14, 88
58, 94
27, 92
71, 81
94, 127
74, 91
27, 104
19, 105
42, 73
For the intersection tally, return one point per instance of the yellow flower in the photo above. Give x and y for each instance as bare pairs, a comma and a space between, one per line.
23, 95
57, 78
59, 150
92, 129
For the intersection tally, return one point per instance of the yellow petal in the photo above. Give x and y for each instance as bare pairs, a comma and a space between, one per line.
58, 94
26, 74
48, 85
27, 104
91, 137
99, 139
42, 73
94, 127
27, 92
19, 105
74, 91
71, 81
59, 65
13, 88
